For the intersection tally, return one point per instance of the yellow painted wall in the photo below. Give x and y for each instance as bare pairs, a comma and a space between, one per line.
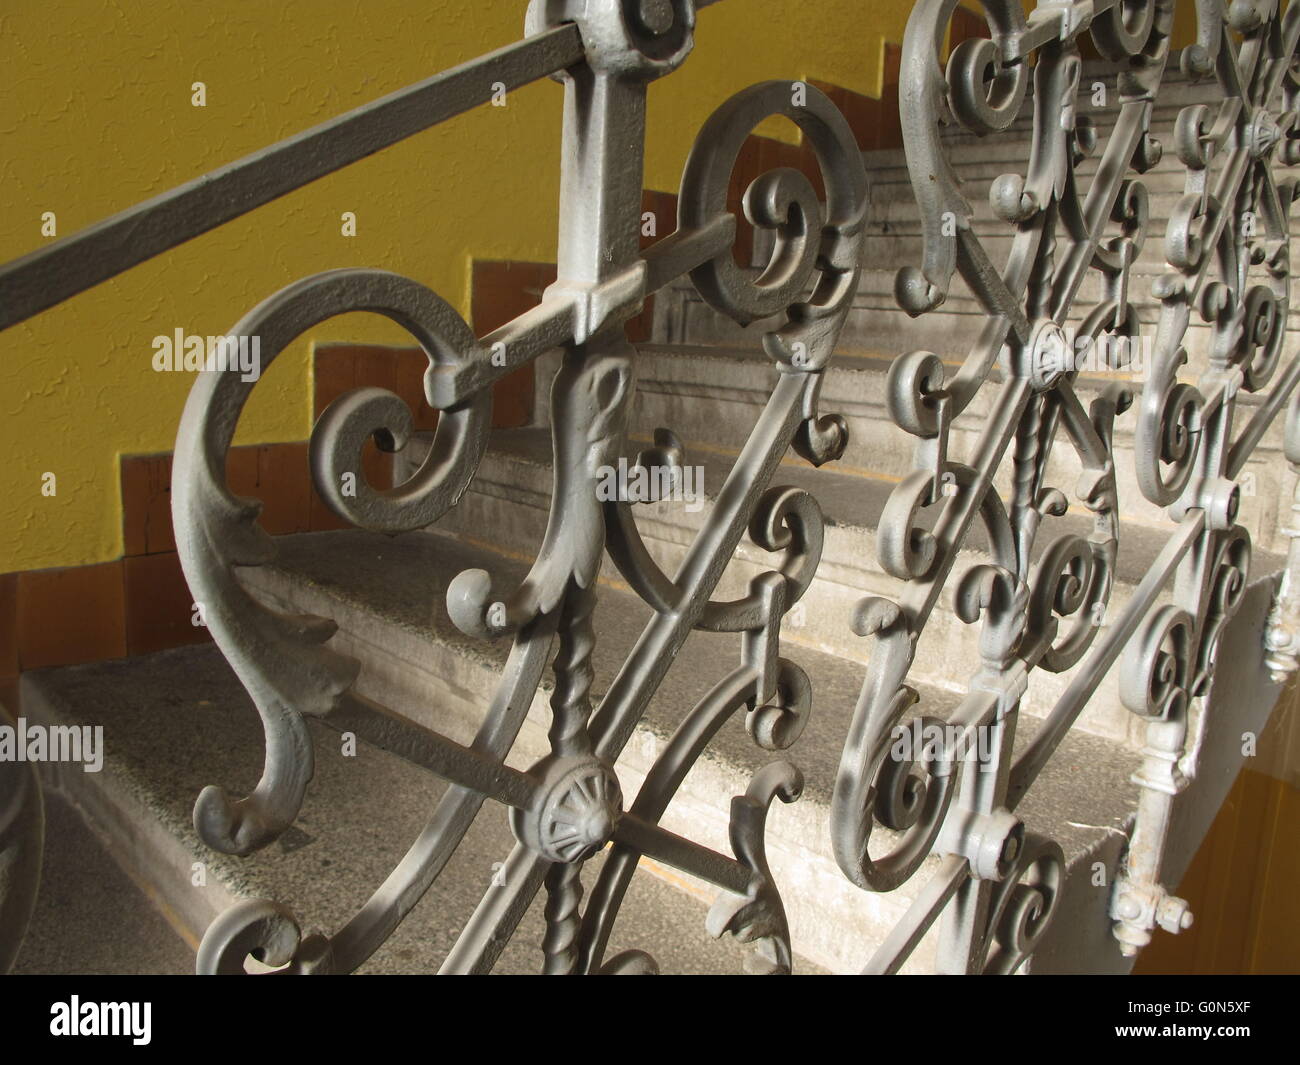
95, 115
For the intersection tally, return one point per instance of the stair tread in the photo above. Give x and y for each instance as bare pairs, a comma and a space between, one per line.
856, 499
402, 580
90, 917
1175, 93
178, 720
849, 360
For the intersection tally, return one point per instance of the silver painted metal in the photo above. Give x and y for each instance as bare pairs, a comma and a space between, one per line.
1038, 606
1229, 244
994, 893
31, 284
569, 805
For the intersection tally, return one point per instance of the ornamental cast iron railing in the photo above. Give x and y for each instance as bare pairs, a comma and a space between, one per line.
1038, 608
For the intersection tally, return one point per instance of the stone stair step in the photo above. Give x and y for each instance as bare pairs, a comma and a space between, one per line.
511, 496
710, 397
1175, 92
887, 241
890, 187
178, 720
894, 231
91, 917
1010, 146
387, 596
876, 322
984, 158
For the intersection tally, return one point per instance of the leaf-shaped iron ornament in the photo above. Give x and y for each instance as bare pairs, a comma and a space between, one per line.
281, 660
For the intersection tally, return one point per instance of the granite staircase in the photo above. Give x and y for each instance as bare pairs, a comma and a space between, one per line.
177, 720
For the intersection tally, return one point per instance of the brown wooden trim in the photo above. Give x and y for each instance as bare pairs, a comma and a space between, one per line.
9, 643
891, 126
67, 616
159, 606
8, 624
140, 603
146, 504
964, 25
10, 695
339, 368
863, 112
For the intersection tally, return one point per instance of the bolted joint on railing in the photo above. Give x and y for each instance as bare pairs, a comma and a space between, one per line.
1138, 908
645, 39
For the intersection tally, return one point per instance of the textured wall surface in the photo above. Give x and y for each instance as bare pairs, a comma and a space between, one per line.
96, 114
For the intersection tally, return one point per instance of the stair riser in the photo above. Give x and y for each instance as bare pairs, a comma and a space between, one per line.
876, 291
948, 657
903, 244
1164, 116
969, 156
877, 444
976, 165
717, 402
511, 498
875, 323
892, 198
1171, 98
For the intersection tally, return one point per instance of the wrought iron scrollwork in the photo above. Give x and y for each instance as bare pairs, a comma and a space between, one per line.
1228, 241
1037, 607
1044, 609
281, 660
1039, 604
568, 806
